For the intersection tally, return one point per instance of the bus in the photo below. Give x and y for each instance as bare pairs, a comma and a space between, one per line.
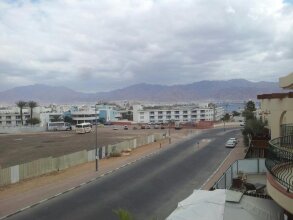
83, 128
59, 126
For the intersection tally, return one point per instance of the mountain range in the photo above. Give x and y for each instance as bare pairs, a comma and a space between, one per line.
235, 89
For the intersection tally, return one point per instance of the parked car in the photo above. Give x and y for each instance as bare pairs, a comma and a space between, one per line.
230, 143
115, 128
242, 124
125, 127
148, 127
157, 126
142, 126
234, 139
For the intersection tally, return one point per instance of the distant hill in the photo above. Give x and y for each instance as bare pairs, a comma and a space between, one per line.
235, 89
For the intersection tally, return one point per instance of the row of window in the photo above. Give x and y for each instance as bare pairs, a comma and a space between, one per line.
176, 112
168, 117
9, 122
16, 117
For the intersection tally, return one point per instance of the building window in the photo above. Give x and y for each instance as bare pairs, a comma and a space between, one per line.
184, 112
176, 117
17, 117
185, 116
160, 112
202, 111
8, 122
152, 117
177, 112
8, 117
168, 112
152, 113
160, 117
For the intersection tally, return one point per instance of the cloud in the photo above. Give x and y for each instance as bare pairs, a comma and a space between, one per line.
103, 45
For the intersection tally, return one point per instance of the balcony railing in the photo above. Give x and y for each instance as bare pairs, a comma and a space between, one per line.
287, 129
280, 160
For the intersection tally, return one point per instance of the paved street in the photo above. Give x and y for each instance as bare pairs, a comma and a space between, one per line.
149, 189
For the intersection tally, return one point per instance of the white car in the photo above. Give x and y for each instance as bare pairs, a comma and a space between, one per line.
230, 143
242, 124
234, 139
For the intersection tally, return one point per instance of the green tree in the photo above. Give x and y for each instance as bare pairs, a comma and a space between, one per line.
32, 105
254, 128
250, 106
248, 115
20, 104
226, 117
68, 119
56, 118
235, 113
249, 109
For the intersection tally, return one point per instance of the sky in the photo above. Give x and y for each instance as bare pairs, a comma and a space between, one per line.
103, 45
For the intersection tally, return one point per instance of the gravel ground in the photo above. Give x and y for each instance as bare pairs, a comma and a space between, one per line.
21, 148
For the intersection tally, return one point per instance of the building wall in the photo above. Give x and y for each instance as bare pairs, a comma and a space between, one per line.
277, 112
141, 115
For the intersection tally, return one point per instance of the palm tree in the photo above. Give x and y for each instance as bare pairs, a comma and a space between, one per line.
20, 104
32, 105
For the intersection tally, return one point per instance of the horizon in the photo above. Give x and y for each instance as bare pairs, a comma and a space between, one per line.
140, 83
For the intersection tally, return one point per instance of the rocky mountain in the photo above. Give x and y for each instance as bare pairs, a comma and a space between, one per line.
235, 89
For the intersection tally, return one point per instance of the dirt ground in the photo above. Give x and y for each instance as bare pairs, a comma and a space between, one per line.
21, 148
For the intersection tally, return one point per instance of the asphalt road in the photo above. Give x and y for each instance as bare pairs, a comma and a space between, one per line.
149, 189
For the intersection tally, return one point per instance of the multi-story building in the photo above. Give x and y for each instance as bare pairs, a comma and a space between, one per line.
165, 114
10, 116
277, 109
108, 112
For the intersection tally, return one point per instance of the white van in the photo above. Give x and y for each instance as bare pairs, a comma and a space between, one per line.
83, 128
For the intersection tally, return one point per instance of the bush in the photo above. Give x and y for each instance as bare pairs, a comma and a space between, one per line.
123, 214
33, 121
115, 154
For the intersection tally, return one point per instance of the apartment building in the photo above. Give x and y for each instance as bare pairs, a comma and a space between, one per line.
165, 114
277, 109
10, 116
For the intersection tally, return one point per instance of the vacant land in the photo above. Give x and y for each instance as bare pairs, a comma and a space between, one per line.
21, 148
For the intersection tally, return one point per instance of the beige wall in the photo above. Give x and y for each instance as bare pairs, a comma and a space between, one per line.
280, 111
283, 200
286, 82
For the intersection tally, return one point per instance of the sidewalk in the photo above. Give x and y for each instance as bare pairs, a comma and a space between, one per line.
236, 154
33, 191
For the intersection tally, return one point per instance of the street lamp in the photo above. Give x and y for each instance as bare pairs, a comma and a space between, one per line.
96, 137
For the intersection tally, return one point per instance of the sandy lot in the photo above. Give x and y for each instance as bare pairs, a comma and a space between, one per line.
21, 148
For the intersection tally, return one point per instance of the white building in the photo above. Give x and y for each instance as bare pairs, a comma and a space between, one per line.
164, 114
10, 116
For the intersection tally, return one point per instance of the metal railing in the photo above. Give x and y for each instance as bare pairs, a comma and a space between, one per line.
280, 160
287, 129
245, 166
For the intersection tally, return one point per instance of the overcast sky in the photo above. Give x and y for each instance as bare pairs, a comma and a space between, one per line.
101, 45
